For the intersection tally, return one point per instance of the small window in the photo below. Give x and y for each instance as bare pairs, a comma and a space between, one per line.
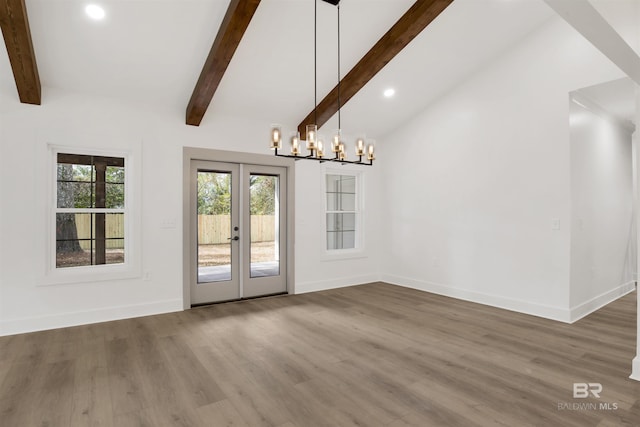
342, 211
90, 210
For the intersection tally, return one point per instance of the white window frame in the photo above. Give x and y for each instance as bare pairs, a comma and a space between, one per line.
131, 267
359, 251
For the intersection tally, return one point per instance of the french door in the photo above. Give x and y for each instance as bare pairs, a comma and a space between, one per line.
238, 231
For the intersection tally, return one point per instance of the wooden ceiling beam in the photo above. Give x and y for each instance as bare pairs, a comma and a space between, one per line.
235, 23
416, 19
17, 38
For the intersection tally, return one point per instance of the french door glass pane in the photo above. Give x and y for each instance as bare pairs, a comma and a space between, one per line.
265, 219
214, 226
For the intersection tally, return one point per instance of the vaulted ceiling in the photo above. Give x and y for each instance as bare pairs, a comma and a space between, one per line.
152, 52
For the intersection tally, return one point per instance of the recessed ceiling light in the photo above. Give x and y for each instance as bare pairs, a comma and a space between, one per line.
388, 93
95, 12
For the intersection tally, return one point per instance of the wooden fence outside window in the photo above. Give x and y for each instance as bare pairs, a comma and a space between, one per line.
212, 229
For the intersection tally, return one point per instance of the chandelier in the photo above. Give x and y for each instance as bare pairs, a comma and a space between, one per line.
315, 144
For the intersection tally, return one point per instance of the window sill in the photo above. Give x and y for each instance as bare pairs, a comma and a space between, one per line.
90, 274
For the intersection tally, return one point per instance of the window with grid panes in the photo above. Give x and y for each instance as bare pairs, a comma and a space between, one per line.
342, 214
90, 210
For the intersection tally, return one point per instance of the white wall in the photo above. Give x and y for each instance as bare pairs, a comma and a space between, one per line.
636, 143
27, 305
602, 229
636, 362
474, 184
314, 269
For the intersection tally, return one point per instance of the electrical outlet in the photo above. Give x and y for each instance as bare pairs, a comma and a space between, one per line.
146, 276
168, 223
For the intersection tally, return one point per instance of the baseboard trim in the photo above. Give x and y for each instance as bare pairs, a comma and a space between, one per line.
594, 304
342, 282
33, 324
635, 373
547, 312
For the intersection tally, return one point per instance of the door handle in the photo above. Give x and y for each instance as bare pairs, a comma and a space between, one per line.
233, 238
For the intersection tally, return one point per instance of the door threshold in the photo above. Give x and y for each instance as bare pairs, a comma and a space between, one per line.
205, 304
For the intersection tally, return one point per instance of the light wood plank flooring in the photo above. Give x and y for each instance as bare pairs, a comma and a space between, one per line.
370, 355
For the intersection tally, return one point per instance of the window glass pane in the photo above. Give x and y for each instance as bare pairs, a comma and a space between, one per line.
115, 174
333, 183
348, 240
341, 240
341, 184
331, 240
114, 196
265, 234
74, 195
341, 202
348, 222
89, 239
333, 201
72, 172
341, 193
347, 202
114, 239
333, 223
348, 184
90, 181
214, 226
341, 222
114, 177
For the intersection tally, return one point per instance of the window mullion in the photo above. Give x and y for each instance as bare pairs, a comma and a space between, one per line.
100, 218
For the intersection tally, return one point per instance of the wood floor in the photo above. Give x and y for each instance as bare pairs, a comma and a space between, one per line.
370, 355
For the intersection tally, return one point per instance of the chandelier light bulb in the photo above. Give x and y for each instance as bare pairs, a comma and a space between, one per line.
335, 143
312, 135
342, 151
295, 145
360, 147
371, 156
276, 137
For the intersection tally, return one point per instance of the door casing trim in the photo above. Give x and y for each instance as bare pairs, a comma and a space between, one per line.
206, 154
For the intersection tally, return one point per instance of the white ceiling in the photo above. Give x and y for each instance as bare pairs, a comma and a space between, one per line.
152, 51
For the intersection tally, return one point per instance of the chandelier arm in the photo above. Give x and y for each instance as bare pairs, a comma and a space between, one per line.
324, 160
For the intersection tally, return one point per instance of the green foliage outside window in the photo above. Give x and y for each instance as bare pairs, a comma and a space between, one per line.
77, 186
214, 194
